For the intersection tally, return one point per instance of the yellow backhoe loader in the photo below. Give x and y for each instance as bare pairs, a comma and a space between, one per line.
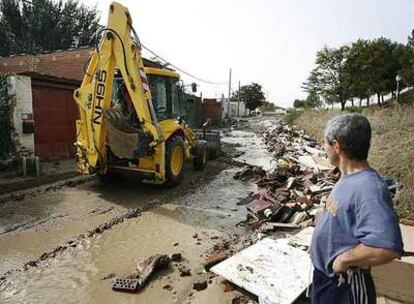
121, 125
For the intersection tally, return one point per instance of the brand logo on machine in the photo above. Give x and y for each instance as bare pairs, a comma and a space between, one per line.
100, 93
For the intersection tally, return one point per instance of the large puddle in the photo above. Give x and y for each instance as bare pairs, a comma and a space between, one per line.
74, 276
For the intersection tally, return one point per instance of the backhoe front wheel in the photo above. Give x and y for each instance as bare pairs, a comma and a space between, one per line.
174, 160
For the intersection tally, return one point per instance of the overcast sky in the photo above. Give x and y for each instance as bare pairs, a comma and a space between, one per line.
272, 42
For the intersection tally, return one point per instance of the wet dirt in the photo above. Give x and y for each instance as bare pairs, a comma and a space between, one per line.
205, 204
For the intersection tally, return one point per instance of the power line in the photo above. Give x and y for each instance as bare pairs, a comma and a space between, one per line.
181, 70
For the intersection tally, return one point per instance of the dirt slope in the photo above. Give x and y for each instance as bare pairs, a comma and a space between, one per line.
392, 150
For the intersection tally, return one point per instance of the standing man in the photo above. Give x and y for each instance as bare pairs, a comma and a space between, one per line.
358, 228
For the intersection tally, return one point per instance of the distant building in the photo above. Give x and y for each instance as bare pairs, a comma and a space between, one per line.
237, 109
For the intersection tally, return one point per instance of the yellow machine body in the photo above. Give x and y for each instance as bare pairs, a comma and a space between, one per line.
118, 50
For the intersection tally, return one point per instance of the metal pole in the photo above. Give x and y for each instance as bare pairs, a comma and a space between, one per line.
238, 102
228, 105
398, 79
398, 91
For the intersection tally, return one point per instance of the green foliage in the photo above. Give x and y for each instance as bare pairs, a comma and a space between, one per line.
267, 107
362, 69
299, 103
5, 140
45, 25
312, 101
251, 94
329, 79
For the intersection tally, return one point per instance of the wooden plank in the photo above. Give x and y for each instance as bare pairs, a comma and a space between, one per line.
303, 237
408, 238
396, 280
283, 225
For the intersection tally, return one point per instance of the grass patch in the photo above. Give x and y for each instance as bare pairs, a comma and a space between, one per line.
291, 116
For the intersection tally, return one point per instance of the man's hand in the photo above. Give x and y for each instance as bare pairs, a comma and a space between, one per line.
339, 265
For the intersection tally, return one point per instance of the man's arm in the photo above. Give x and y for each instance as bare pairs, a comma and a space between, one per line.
361, 256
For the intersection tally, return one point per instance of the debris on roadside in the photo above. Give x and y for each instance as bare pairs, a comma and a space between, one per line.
241, 300
250, 173
201, 283
299, 184
176, 257
184, 271
214, 259
228, 286
144, 270
168, 287
121, 284
270, 269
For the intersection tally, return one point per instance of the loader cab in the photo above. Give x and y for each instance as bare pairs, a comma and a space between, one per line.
166, 91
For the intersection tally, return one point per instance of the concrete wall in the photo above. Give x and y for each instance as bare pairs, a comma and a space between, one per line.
242, 109
233, 108
20, 92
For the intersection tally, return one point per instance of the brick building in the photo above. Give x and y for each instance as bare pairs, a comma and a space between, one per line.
40, 89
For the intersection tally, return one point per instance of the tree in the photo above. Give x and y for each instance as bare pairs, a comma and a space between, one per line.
404, 54
299, 103
267, 107
45, 25
357, 72
313, 100
382, 69
251, 94
328, 79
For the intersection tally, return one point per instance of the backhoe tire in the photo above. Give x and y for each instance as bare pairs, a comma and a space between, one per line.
200, 153
174, 160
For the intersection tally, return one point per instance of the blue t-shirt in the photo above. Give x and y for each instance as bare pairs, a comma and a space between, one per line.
358, 210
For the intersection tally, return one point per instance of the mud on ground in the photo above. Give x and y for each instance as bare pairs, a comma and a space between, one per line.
195, 218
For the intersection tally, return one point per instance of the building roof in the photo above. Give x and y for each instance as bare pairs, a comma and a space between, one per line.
68, 64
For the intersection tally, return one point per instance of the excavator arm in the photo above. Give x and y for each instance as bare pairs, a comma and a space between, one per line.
117, 49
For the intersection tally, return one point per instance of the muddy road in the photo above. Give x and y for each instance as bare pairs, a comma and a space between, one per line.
190, 219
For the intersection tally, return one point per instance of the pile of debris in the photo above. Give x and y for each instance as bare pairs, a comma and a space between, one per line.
299, 184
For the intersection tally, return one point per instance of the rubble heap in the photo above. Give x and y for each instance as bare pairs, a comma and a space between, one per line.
300, 182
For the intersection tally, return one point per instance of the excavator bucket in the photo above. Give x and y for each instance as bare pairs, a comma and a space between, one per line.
123, 139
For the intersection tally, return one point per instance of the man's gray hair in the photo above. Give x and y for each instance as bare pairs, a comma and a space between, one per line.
353, 132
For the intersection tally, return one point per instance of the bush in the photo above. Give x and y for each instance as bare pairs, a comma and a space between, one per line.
291, 116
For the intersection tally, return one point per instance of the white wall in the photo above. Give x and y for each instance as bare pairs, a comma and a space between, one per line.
233, 108
20, 92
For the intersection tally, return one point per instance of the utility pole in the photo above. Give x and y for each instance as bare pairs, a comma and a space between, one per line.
398, 79
228, 104
238, 102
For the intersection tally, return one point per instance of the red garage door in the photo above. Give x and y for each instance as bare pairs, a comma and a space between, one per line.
55, 113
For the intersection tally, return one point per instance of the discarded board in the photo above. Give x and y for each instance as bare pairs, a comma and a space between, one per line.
283, 225
315, 162
395, 280
302, 238
270, 269
408, 238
